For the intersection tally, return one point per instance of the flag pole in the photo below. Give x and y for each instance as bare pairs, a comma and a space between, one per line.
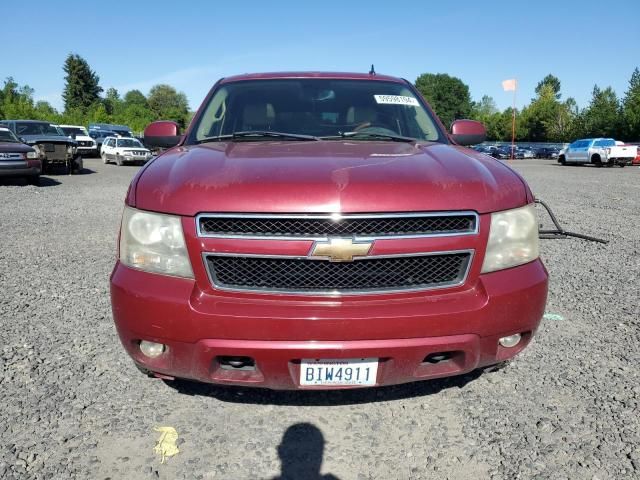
513, 121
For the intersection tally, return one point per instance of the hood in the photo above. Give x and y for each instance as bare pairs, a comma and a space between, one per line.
31, 139
325, 176
11, 147
83, 138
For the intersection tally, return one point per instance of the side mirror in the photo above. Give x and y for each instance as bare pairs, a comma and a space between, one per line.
162, 134
468, 132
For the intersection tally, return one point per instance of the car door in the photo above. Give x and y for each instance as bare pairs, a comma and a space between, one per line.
574, 151
570, 151
112, 148
582, 152
106, 148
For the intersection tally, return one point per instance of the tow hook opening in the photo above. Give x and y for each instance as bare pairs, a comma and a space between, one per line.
236, 363
438, 357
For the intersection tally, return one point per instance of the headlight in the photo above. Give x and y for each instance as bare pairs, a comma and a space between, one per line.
513, 239
154, 242
32, 155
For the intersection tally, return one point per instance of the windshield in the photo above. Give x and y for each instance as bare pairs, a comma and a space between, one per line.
7, 136
100, 133
68, 131
128, 142
123, 133
36, 128
317, 107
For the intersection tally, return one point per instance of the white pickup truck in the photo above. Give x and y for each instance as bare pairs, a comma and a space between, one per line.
599, 152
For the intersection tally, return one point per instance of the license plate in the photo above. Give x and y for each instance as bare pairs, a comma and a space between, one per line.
361, 371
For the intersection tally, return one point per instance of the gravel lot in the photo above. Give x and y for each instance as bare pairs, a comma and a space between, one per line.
73, 406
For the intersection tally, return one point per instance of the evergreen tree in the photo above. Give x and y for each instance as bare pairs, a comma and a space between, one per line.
631, 108
112, 102
82, 87
549, 81
602, 116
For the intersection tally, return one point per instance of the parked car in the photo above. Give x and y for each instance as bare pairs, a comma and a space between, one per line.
87, 146
598, 152
507, 150
17, 159
322, 230
492, 151
546, 152
119, 130
99, 135
636, 161
124, 150
527, 153
53, 146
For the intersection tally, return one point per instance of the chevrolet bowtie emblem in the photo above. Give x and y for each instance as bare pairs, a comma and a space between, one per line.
340, 249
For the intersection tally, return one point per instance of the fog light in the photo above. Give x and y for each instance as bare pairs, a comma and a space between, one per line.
511, 340
151, 349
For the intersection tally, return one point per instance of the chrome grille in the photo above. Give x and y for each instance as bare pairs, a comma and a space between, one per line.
371, 274
323, 226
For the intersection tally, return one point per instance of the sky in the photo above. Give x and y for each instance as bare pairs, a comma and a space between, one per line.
193, 43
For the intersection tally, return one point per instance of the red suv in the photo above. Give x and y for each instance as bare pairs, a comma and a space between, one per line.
323, 230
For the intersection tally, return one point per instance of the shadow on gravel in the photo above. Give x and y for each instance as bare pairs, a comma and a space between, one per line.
261, 396
301, 452
18, 181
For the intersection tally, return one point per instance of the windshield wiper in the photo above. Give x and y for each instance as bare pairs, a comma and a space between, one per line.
258, 134
377, 136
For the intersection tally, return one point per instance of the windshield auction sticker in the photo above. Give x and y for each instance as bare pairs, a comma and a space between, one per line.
396, 100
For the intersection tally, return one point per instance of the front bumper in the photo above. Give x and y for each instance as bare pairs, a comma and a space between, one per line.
277, 332
86, 151
20, 168
137, 158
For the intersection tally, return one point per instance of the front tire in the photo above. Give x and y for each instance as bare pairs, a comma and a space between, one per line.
34, 180
562, 161
105, 160
119, 160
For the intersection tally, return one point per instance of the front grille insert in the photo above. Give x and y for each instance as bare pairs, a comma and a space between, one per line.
323, 226
370, 274
55, 151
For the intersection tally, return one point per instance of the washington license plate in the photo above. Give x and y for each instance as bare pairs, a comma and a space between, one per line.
362, 371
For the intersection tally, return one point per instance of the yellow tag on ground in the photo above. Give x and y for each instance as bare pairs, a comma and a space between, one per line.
166, 446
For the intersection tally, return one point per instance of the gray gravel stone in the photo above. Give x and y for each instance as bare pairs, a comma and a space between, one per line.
73, 405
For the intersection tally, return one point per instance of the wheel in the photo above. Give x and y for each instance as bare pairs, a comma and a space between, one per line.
597, 161
104, 158
79, 164
34, 180
562, 160
622, 165
119, 161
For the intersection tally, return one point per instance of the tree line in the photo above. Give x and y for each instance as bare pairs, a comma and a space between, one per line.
83, 103
547, 118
